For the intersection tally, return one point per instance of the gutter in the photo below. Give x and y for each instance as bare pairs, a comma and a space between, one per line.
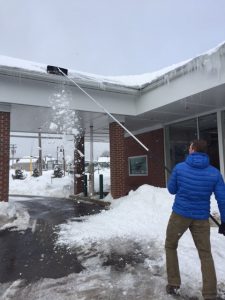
55, 79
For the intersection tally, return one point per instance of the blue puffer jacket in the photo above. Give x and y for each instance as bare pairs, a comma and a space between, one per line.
193, 182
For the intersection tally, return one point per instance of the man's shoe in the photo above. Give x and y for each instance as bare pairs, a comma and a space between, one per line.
172, 289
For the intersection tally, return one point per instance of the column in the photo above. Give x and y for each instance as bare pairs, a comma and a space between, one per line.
118, 161
4, 154
78, 164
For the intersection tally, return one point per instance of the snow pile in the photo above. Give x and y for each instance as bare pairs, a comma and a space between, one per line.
139, 221
12, 216
44, 185
122, 250
129, 217
143, 214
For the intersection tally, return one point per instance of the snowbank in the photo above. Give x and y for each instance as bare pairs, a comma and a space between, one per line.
143, 214
12, 216
44, 185
141, 219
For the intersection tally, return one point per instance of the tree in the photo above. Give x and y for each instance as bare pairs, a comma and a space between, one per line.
105, 153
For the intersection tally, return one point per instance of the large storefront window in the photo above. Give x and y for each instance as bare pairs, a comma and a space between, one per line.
179, 136
209, 132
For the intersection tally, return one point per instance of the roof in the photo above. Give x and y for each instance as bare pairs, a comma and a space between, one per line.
27, 160
131, 82
104, 159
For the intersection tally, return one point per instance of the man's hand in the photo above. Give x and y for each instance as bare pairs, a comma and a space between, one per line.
222, 228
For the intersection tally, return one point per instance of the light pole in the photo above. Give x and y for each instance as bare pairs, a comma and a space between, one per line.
13, 151
61, 149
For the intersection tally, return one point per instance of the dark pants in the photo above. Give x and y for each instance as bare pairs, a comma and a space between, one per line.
200, 230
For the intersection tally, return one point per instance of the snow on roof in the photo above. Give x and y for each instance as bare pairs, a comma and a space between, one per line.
131, 81
103, 159
28, 159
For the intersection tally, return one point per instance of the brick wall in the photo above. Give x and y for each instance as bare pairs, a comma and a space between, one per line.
79, 166
4, 154
154, 140
118, 161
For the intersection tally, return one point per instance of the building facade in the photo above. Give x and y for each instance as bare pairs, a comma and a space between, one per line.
163, 113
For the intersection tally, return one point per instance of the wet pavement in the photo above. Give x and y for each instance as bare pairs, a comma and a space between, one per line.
32, 254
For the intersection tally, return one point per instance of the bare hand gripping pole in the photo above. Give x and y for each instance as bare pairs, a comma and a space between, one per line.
103, 108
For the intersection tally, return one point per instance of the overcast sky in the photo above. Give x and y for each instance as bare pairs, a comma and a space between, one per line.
117, 37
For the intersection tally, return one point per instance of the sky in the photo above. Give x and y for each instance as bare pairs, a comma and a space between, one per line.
119, 37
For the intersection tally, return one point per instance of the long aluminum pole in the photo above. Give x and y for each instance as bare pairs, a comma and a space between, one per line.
106, 111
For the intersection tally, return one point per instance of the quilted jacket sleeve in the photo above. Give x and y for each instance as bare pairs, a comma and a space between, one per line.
172, 184
220, 196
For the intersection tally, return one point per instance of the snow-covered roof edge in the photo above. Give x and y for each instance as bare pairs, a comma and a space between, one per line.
129, 81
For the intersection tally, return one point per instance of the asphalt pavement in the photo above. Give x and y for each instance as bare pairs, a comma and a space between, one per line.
32, 254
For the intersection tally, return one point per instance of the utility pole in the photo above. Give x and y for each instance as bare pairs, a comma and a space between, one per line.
13, 151
57, 155
40, 151
64, 161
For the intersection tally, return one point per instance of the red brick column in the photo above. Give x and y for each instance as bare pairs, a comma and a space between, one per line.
4, 155
79, 165
118, 161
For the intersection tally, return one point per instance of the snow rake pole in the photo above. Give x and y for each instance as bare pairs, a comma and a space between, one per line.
211, 217
104, 109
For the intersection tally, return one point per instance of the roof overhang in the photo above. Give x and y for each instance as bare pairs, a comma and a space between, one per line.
192, 88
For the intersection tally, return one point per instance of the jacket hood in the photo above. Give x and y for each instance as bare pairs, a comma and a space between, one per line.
198, 160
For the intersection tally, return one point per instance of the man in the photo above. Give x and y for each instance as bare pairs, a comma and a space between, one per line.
193, 182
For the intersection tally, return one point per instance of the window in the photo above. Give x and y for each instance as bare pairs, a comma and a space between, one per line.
208, 131
179, 137
138, 165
